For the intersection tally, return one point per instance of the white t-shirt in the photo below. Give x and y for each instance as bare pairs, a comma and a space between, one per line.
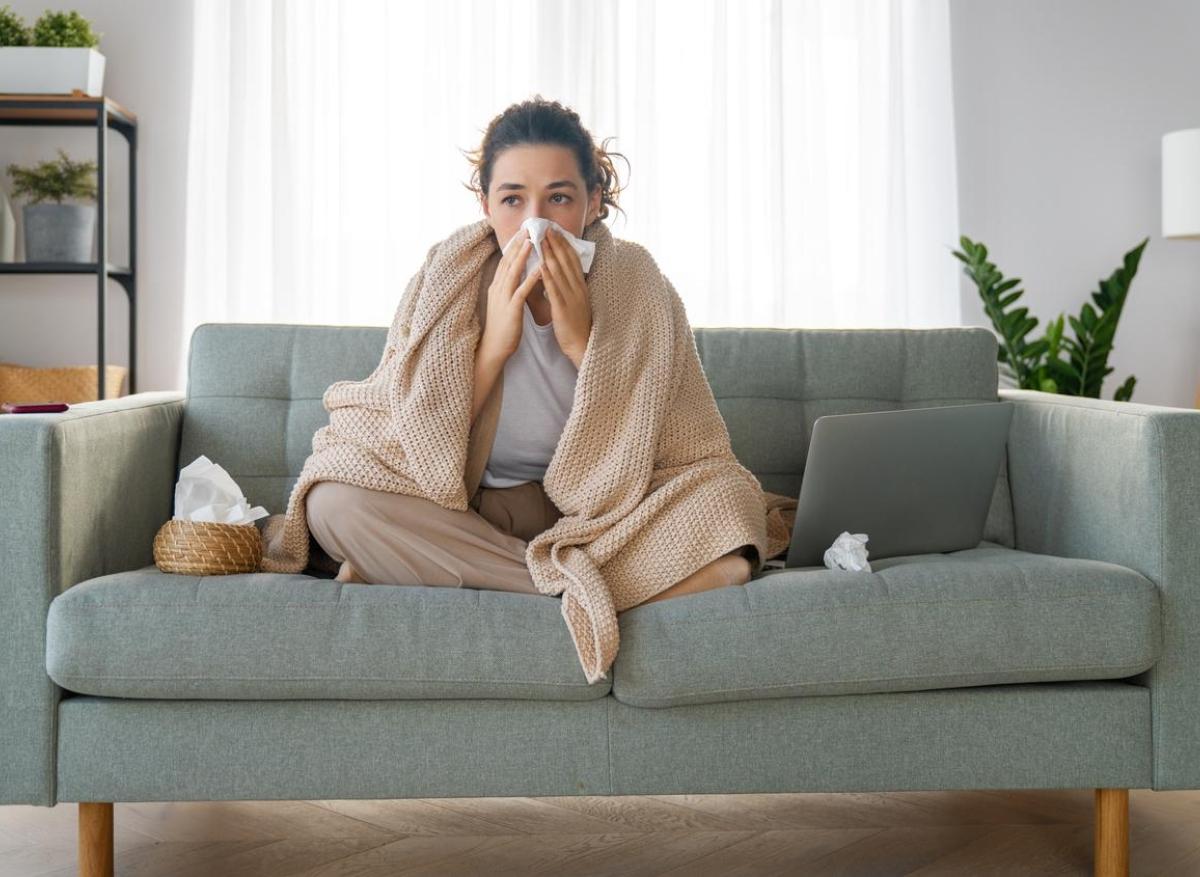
539, 389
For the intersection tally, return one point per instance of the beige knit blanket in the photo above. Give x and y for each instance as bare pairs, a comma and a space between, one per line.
643, 472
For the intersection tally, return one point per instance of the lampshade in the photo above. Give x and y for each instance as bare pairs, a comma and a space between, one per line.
1181, 184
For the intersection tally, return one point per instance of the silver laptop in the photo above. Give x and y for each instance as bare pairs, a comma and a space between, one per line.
916, 480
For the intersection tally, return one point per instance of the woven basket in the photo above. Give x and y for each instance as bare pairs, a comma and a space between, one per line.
198, 548
74, 383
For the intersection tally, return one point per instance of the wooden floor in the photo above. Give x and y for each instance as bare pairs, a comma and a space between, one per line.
900, 833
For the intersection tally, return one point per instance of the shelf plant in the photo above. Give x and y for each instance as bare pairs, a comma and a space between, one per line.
13, 31
57, 232
64, 30
58, 55
55, 180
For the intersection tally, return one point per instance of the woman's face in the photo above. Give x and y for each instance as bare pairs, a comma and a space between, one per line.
538, 180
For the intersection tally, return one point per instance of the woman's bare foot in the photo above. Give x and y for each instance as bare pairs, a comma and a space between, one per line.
349, 574
728, 569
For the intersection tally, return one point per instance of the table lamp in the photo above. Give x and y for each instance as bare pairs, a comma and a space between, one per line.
1181, 188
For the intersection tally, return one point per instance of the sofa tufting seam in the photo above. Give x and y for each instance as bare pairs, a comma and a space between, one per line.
1155, 737
53, 525
608, 711
345, 678
338, 605
718, 396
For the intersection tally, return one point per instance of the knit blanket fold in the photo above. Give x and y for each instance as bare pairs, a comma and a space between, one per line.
643, 472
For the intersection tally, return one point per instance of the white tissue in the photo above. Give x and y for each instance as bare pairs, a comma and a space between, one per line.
537, 230
848, 551
206, 492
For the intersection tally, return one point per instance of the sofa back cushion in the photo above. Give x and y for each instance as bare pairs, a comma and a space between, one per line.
254, 392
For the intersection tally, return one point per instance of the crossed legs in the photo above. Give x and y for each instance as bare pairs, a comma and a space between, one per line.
384, 537
381, 537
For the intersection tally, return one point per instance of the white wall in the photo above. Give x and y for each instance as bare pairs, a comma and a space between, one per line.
1061, 106
51, 320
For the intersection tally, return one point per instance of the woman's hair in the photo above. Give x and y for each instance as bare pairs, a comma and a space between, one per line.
538, 121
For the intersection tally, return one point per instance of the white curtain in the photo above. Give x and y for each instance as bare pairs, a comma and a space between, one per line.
791, 162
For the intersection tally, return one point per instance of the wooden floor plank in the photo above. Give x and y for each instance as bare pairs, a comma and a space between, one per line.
425, 855
774, 851
921, 833
526, 815
166, 857
37, 841
244, 820
899, 850
413, 816
644, 813
1168, 847
1045, 850
649, 853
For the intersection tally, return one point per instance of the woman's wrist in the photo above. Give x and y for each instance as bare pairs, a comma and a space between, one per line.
492, 353
575, 357
488, 365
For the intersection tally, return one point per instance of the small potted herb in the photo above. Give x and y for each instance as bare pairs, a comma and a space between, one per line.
56, 56
57, 232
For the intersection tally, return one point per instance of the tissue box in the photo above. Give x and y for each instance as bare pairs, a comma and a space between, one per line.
200, 548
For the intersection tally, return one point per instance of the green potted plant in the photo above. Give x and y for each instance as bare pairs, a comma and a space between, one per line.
57, 232
57, 55
1040, 364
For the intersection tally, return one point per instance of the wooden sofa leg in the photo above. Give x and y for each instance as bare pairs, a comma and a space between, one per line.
1112, 833
95, 839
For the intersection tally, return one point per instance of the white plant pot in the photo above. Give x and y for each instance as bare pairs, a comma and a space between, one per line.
49, 70
8, 231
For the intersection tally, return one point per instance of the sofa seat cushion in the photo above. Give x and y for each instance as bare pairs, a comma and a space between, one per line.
150, 634
981, 616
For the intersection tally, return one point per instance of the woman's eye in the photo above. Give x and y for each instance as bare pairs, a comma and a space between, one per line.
566, 198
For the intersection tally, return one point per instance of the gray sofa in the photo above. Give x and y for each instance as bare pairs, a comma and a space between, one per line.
1062, 652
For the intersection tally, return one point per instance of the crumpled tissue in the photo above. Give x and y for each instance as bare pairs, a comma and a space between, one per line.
206, 492
849, 552
537, 230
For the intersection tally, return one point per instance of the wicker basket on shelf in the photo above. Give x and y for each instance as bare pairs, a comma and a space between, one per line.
71, 384
199, 548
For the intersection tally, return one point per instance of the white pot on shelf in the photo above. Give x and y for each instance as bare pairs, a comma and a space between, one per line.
51, 70
8, 230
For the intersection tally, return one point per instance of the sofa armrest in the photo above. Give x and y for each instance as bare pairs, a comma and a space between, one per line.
82, 494
1120, 482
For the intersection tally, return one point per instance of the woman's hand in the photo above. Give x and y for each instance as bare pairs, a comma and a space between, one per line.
565, 287
506, 302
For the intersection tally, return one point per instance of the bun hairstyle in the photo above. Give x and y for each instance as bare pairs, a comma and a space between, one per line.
538, 121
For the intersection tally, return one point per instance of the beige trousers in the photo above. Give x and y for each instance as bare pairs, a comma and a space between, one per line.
392, 538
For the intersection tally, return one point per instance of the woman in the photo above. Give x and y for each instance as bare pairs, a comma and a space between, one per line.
536, 160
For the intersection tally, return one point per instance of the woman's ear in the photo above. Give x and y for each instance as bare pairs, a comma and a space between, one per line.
593, 206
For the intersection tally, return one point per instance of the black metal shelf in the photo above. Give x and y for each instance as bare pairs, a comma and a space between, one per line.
58, 268
100, 113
